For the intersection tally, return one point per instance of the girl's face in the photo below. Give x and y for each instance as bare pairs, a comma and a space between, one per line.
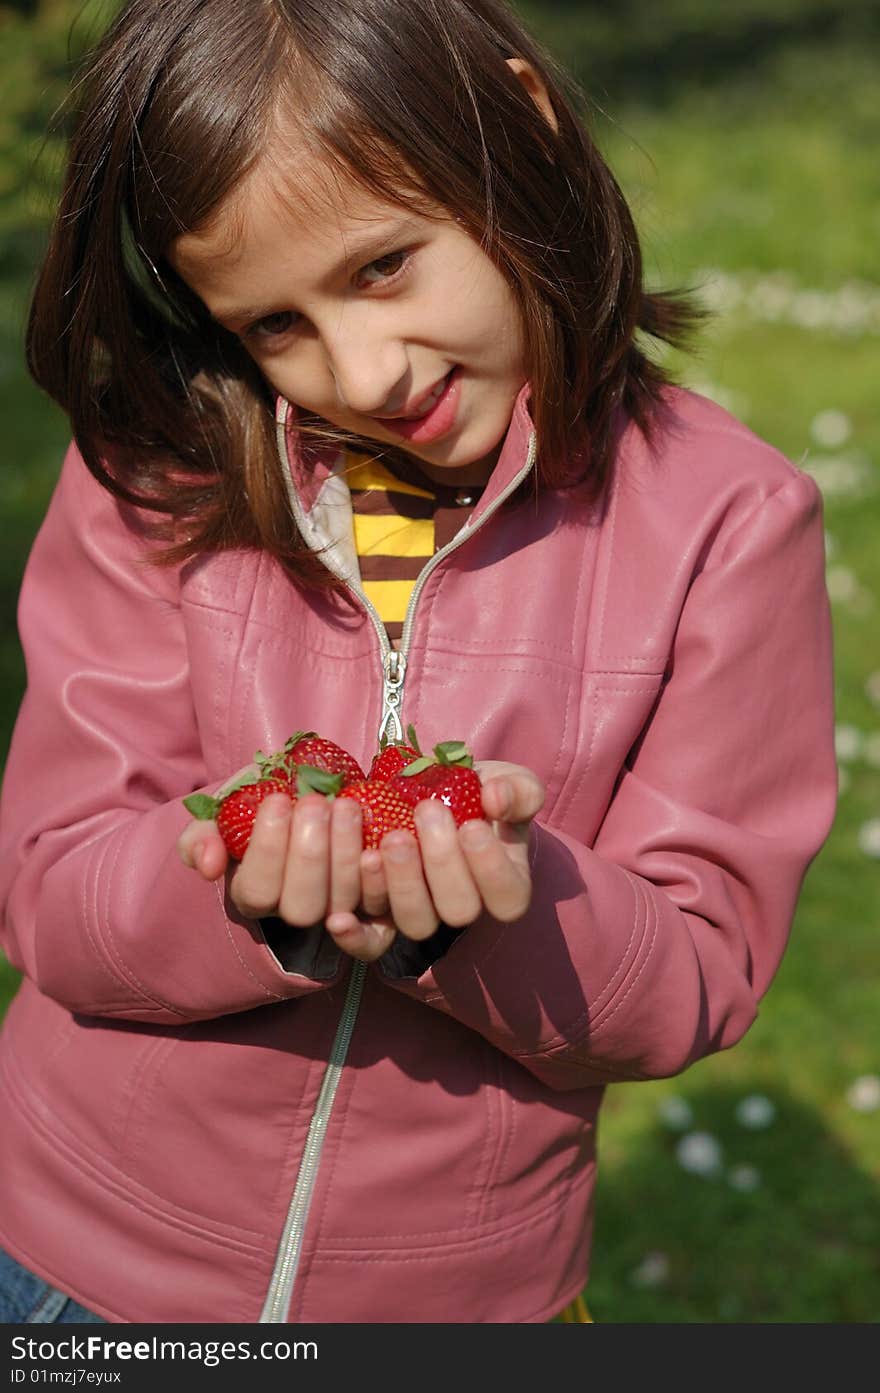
390, 324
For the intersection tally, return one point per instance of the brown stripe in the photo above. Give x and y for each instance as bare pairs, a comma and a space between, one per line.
395, 631
391, 567
448, 522
378, 503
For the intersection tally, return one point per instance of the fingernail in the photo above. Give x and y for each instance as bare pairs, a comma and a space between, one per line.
503, 796
476, 835
430, 813
197, 854
398, 851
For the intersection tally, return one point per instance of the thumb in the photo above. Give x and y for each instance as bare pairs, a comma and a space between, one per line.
516, 795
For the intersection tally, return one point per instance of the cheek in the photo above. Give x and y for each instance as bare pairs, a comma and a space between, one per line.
301, 380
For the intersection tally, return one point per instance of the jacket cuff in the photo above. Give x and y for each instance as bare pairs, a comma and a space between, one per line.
309, 952
407, 960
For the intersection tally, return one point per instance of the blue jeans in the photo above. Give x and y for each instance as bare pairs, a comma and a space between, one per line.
28, 1300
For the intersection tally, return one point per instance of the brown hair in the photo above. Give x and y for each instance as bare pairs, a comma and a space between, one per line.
415, 99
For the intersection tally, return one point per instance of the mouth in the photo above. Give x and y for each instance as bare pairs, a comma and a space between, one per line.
434, 417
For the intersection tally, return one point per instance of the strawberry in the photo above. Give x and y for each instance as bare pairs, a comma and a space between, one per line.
394, 757
235, 810
305, 747
449, 776
383, 810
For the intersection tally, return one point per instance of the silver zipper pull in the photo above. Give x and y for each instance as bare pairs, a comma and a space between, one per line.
391, 726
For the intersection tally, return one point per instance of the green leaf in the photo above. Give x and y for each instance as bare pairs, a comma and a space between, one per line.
202, 806
413, 739
454, 752
312, 780
418, 766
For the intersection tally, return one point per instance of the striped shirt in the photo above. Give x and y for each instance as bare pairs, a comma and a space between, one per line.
401, 519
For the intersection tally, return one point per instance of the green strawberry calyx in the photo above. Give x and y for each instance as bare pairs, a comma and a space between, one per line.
267, 764
204, 807
312, 780
453, 753
411, 739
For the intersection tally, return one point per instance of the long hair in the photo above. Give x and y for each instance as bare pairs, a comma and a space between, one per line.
414, 99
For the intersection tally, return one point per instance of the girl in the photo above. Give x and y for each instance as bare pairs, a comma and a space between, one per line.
319, 1084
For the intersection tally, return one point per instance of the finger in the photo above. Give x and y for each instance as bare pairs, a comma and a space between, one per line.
345, 854
515, 796
200, 847
305, 891
502, 880
364, 939
255, 887
454, 894
374, 889
411, 906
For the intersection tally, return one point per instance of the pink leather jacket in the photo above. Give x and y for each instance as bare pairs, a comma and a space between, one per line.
209, 1119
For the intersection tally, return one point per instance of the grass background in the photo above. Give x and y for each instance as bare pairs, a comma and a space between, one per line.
746, 138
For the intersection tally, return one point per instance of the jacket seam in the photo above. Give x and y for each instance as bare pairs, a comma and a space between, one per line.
566, 1042
566, 1189
178, 1216
104, 951
269, 992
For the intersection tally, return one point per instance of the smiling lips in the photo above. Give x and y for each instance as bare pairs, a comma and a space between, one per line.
437, 413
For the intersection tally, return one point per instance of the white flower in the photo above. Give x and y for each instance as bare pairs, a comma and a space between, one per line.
840, 476
810, 309
863, 1093
652, 1271
842, 583
744, 1178
848, 741
676, 1112
831, 429
871, 750
830, 547
699, 1153
869, 837
755, 1112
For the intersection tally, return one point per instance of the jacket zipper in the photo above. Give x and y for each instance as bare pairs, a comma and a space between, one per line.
277, 1303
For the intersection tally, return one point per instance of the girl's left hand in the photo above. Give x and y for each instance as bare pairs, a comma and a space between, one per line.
450, 875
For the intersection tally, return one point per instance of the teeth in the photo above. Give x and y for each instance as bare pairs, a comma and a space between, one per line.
434, 397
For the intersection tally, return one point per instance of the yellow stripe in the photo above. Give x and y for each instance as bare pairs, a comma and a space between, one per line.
369, 474
575, 1313
393, 536
390, 597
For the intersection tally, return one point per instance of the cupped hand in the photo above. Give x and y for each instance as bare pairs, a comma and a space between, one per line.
304, 863
450, 875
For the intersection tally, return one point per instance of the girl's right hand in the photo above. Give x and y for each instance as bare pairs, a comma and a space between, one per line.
303, 862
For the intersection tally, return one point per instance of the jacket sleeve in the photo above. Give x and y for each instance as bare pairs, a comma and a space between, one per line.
98, 909
652, 947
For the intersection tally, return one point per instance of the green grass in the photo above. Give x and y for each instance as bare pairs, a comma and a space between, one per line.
768, 168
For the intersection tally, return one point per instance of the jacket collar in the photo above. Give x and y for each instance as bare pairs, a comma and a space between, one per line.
309, 468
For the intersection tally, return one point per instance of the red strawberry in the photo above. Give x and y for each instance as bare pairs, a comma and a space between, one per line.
394, 757
449, 777
236, 811
383, 810
305, 747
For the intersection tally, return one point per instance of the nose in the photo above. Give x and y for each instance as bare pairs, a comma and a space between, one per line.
370, 370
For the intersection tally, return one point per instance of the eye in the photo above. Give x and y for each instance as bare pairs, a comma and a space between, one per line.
272, 326
384, 268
